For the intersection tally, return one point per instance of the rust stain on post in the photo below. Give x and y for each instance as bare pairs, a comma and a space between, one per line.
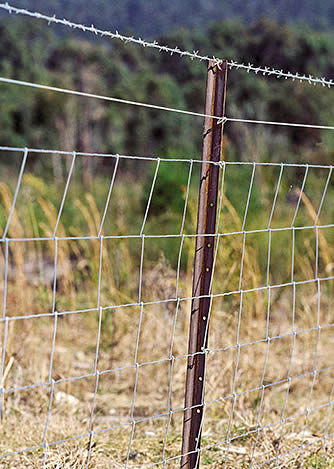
204, 257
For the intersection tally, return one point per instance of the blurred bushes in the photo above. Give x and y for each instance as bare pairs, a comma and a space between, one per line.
37, 118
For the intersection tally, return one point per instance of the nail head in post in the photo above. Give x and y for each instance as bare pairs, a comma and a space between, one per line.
203, 266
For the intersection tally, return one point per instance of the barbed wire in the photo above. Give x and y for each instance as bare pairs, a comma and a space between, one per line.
262, 70
316, 277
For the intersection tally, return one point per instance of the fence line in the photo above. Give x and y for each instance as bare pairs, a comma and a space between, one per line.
176, 300
318, 276
171, 160
161, 108
265, 71
173, 358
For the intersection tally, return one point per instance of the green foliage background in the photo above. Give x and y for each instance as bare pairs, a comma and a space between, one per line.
154, 17
31, 51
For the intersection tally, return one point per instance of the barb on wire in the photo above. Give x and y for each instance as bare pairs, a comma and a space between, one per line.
262, 70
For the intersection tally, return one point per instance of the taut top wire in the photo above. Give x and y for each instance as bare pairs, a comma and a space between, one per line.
262, 70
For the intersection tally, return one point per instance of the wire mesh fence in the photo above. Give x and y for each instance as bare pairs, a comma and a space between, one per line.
94, 324
96, 294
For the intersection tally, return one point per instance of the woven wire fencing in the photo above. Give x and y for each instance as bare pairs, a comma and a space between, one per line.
96, 264
95, 320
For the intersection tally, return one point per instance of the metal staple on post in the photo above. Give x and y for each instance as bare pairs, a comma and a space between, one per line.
203, 265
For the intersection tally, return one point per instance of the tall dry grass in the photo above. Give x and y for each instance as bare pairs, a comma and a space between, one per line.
28, 346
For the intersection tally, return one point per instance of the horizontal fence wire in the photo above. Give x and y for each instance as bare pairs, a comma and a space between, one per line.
265, 71
268, 380
318, 278
220, 120
116, 156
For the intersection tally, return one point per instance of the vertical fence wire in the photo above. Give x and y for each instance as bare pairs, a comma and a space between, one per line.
172, 358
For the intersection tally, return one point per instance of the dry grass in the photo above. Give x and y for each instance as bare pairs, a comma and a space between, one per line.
28, 349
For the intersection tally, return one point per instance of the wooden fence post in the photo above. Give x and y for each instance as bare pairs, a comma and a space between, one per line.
203, 264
